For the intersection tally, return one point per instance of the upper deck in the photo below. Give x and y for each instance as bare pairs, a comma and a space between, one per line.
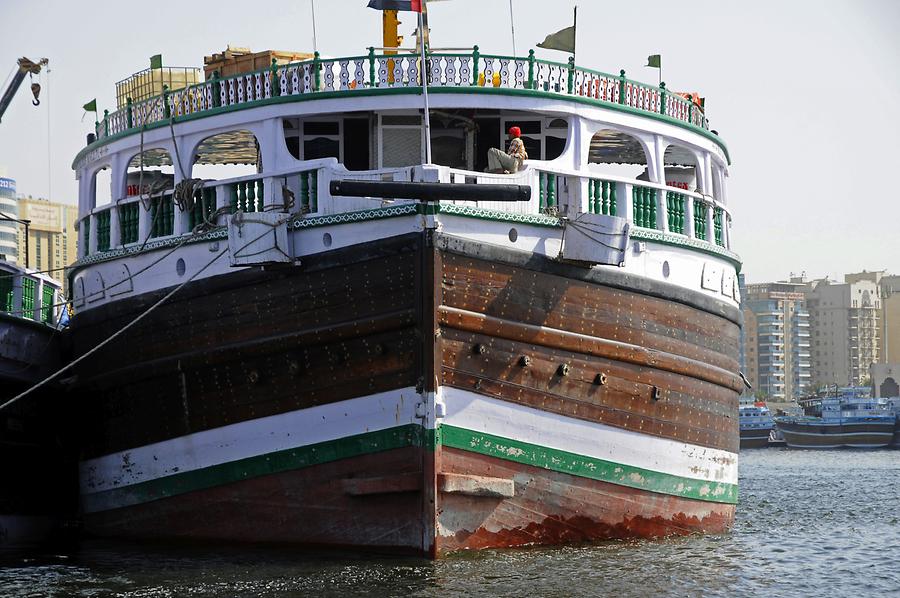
382, 74
598, 145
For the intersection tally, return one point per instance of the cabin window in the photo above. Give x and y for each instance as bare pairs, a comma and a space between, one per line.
401, 140
544, 138
321, 139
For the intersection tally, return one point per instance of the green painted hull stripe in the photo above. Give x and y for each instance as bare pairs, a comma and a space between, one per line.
271, 463
586, 467
351, 95
410, 435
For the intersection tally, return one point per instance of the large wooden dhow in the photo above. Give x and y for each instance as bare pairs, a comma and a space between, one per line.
407, 371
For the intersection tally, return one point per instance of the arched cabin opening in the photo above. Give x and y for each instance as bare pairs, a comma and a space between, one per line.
227, 155
682, 169
615, 153
149, 173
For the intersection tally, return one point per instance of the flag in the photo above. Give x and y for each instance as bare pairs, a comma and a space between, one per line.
408, 5
156, 61
564, 40
91, 106
653, 61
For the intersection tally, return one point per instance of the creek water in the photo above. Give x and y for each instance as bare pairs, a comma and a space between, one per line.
808, 523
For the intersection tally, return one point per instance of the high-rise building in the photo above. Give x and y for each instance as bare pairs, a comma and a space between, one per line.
51, 235
8, 225
776, 348
890, 319
845, 319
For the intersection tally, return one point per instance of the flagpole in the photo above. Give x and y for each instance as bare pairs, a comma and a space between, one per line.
424, 75
512, 26
574, 31
312, 5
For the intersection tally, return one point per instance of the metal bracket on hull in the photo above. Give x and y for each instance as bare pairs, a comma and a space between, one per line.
595, 239
258, 238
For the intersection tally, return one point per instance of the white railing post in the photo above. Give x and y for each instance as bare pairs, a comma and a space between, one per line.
145, 220
115, 233
626, 205
710, 223
222, 201
581, 197
662, 210
92, 242
690, 231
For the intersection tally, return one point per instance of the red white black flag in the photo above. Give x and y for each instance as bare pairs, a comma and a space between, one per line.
408, 5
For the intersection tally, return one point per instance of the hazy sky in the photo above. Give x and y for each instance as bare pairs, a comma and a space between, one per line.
805, 93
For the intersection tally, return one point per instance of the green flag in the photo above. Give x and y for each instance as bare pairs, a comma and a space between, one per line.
564, 40
91, 106
653, 61
156, 61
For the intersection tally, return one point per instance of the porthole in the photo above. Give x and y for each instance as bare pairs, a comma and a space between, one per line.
666, 269
326, 240
513, 235
180, 267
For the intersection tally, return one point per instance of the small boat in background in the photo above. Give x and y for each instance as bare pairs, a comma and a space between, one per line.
850, 420
756, 423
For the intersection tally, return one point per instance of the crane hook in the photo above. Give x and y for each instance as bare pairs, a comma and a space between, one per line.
36, 91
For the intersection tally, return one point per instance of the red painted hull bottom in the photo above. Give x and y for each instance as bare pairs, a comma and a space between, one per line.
379, 502
552, 508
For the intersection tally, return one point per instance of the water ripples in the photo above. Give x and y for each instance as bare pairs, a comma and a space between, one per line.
808, 523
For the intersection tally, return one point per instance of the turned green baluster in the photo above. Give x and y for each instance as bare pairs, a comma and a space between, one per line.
530, 69
475, 58
662, 97
570, 85
651, 205
251, 197
129, 113
317, 75
551, 190
276, 80
314, 191
541, 178
622, 86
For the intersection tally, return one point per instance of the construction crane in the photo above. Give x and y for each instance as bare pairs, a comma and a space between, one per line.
25, 67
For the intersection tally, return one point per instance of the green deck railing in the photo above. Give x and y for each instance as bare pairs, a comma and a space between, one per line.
129, 218
103, 231
601, 197
675, 210
644, 205
381, 71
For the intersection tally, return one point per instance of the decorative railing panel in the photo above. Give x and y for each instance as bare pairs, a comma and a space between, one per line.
717, 226
403, 70
204, 207
675, 204
129, 216
601, 197
644, 204
246, 196
162, 216
103, 231
548, 192
28, 286
47, 304
700, 210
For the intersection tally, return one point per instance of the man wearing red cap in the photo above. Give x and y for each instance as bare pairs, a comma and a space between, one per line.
511, 161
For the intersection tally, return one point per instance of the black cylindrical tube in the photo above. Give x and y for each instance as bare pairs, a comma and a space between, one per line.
431, 191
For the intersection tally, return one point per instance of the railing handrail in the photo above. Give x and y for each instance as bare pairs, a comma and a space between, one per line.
126, 112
